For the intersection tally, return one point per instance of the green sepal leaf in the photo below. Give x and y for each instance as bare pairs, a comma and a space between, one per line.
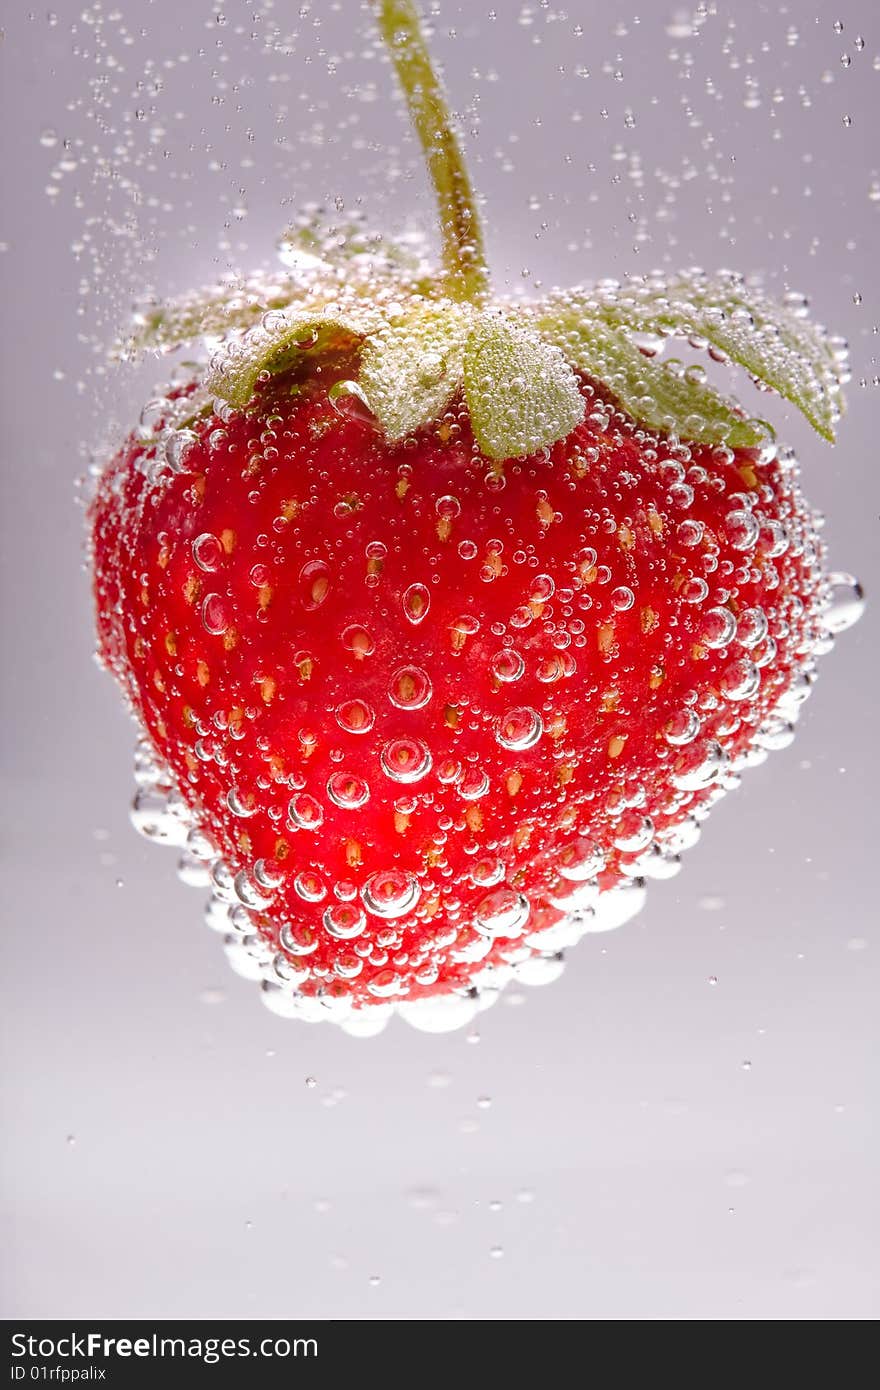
777, 344
521, 393
279, 341
654, 394
211, 313
411, 368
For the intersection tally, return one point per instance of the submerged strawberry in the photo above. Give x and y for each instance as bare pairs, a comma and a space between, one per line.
447, 620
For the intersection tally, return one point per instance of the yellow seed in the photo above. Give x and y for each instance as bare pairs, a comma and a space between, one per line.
171, 643
513, 782
191, 588
451, 717
589, 573
401, 488
556, 727
657, 677
655, 521
566, 773
474, 818
401, 821
616, 745
305, 668
649, 620
267, 688
191, 761
544, 512
748, 475
230, 639
610, 701
353, 854
203, 675
282, 849
227, 540
264, 595
289, 508
159, 682
521, 836
444, 528
319, 589
244, 842
605, 637
699, 652
625, 538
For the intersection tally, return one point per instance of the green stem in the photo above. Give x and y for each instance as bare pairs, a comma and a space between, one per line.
464, 262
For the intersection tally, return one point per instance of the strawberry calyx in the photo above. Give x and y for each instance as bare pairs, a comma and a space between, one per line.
418, 339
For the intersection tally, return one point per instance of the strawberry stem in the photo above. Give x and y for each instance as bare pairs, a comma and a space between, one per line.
466, 274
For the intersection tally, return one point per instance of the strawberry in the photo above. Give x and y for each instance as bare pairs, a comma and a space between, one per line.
446, 620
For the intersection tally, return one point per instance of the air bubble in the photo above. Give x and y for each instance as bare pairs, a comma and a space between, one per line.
214, 617
740, 680
390, 893
682, 728
719, 627
355, 716
207, 552
507, 665
347, 791
406, 760
502, 913
742, 529
844, 602
416, 602
304, 812
751, 627
410, 688
519, 728
344, 921
698, 766
580, 860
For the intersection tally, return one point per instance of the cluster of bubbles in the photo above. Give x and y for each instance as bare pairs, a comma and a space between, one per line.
503, 915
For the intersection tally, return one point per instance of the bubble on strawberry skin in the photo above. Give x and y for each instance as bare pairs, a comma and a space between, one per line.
519, 728
581, 860
416, 602
410, 688
406, 760
503, 912
207, 552
347, 791
740, 680
390, 893
698, 766
719, 628
344, 921
507, 665
844, 602
305, 812
355, 716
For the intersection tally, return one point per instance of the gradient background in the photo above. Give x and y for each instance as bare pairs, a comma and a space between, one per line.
164, 1153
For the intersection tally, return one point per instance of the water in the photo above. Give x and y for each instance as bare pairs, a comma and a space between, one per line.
176, 149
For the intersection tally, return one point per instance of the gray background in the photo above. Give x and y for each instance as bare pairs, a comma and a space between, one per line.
164, 1154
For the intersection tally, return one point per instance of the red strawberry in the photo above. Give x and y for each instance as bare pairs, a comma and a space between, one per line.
435, 666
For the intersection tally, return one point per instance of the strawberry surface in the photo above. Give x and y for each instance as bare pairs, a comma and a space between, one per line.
428, 716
